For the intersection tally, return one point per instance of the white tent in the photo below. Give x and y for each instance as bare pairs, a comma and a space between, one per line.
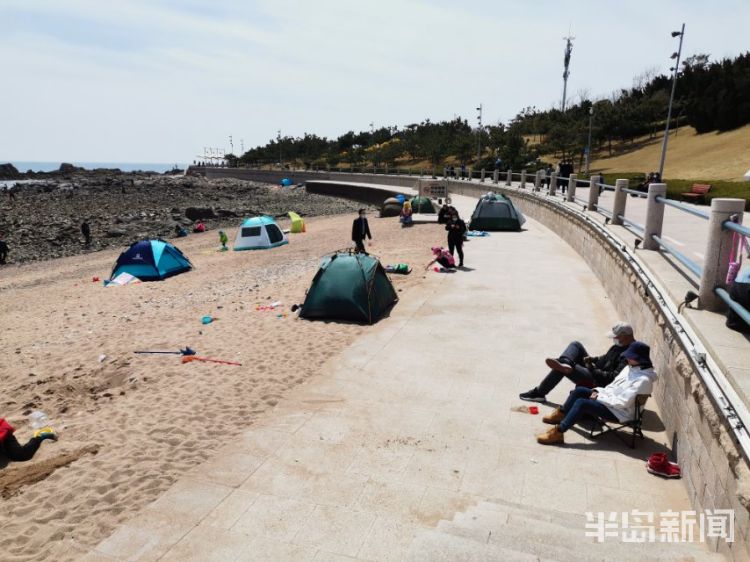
259, 233
746, 177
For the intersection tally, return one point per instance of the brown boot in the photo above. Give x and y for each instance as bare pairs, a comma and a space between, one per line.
556, 365
555, 417
553, 436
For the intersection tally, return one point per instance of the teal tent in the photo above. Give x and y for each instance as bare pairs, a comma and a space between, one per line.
422, 205
151, 260
349, 286
496, 212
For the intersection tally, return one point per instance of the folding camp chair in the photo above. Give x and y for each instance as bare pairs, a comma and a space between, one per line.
605, 426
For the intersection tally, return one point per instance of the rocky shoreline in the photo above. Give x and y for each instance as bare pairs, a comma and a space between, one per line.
42, 219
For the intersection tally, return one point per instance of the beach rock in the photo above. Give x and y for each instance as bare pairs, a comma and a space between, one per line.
226, 213
200, 213
66, 168
115, 232
9, 172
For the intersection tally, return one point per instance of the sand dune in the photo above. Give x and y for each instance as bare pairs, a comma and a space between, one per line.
130, 424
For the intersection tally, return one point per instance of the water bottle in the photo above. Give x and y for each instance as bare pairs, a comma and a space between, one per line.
38, 419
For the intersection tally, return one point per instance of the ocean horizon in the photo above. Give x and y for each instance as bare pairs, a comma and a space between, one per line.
161, 167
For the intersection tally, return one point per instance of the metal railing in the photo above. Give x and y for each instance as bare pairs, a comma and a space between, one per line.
682, 258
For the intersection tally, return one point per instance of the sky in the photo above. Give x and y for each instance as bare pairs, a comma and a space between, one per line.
160, 80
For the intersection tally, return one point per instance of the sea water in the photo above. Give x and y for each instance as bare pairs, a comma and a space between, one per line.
161, 167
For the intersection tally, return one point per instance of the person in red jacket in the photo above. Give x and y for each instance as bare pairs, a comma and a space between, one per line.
13, 450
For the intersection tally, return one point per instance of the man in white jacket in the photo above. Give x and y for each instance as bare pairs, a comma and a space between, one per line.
615, 402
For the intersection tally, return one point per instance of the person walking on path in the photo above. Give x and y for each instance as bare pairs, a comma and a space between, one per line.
577, 365
360, 231
223, 239
3, 249
13, 450
463, 171
86, 231
456, 229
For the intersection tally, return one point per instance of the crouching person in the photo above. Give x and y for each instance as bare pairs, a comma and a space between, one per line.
615, 402
13, 450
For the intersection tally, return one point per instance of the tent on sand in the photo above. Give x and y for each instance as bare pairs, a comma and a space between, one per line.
496, 212
259, 233
349, 286
151, 260
422, 205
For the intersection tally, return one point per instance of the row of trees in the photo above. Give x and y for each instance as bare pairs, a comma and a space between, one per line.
709, 96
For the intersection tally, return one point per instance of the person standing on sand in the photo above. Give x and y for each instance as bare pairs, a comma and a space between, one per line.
86, 231
456, 229
3, 249
360, 230
13, 450
223, 239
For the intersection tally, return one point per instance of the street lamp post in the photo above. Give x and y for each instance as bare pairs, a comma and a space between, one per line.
281, 165
676, 69
479, 134
588, 146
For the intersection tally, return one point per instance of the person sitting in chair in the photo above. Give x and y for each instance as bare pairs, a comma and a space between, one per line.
615, 402
582, 369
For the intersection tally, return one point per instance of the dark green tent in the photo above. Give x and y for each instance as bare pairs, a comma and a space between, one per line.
496, 212
422, 205
349, 286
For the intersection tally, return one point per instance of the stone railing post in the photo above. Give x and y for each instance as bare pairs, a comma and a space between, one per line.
537, 180
572, 184
481, 175
509, 177
386, 169
495, 176
718, 246
593, 192
553, 183
445, 172
523, 179
433, 173
654, 215
621, 198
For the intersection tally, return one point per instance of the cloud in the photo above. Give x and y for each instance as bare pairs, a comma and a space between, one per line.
159, 80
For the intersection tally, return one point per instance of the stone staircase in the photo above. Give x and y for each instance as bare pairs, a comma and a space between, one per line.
506, 532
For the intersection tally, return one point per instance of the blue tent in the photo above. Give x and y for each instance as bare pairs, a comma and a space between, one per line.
151, 260
286, 182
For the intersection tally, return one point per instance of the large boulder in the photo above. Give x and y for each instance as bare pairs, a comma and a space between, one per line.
66, 168
9, 172
200, 213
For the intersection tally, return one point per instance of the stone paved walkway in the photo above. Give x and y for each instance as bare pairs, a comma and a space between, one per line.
413, 424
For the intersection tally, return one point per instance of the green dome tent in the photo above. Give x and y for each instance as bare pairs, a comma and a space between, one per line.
422, 205
349, 286
496, 212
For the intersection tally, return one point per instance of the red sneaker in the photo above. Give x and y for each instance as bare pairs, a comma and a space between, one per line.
659, 464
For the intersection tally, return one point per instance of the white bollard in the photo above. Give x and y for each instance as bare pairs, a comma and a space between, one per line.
509, 177
593, 193
572, 181
537, 180
654, 215
621, 198
495, 176
523, 179
718, 246
553, 183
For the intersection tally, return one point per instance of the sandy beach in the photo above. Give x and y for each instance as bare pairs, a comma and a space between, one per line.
130, 425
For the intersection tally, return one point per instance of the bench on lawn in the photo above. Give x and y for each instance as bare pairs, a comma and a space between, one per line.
697, 192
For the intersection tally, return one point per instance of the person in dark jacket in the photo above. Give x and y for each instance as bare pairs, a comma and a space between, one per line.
86, 231
582, 369
13, 450
3, 249
360, 230
456, 229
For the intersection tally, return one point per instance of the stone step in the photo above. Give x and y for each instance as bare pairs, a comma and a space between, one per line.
489, 522
548, 545
441, 547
